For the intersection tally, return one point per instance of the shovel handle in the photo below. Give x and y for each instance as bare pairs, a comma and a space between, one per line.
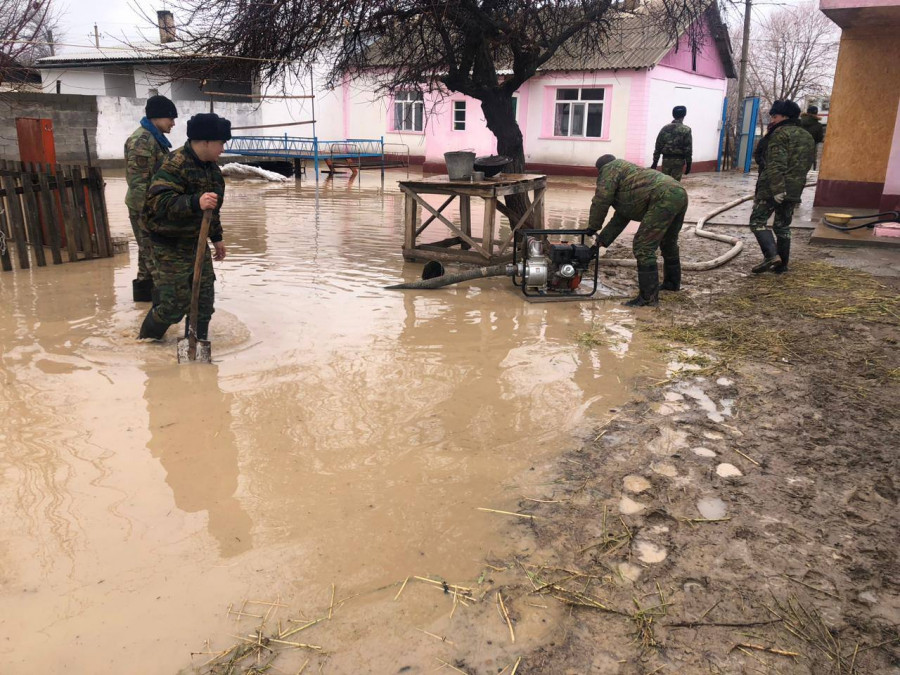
195, 288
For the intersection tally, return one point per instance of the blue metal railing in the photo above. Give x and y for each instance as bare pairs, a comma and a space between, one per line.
298, 147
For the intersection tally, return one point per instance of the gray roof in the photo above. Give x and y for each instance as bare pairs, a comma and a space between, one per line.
634, 42
122, 54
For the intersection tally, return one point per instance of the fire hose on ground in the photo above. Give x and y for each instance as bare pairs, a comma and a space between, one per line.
505, 270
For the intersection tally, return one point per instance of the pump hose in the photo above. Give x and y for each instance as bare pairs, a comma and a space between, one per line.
448, 279
736, 244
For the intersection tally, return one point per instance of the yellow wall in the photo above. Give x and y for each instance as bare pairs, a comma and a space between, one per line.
863, 105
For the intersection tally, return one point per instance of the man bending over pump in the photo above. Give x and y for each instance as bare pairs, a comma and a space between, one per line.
653, 198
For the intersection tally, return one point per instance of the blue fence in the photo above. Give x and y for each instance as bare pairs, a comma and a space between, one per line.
296, 147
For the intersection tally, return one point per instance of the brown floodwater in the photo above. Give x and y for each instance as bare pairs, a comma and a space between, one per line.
345, 435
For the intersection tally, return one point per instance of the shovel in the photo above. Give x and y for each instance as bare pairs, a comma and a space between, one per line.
189, 347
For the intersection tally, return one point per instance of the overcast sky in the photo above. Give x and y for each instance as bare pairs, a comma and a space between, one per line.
118, 20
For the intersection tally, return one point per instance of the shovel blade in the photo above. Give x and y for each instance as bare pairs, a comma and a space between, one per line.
202, 355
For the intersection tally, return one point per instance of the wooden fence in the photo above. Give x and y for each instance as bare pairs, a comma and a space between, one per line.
47, 209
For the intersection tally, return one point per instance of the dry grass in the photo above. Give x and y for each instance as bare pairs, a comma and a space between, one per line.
797, 316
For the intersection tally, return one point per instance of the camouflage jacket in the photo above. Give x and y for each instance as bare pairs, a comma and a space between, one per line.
629, 189
173, 209
674, 139
784, 155
812, 124
143, 156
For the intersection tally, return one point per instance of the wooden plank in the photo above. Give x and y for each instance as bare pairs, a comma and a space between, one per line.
88, 246
446, 222
537, 221
409, 220
16, 221
5, 238
50, 217
487, 234
104, 239
428, 222
32, 217
525, 216
70, 220
465, 216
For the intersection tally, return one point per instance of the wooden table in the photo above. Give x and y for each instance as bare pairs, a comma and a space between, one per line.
463, 247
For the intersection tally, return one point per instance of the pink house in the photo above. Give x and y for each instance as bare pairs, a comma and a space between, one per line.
571, 112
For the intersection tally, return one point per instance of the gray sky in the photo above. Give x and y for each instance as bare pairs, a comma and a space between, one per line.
118, 18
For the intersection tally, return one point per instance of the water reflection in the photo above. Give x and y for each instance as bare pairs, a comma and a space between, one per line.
191, 434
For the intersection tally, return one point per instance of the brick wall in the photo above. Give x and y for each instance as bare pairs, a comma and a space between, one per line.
70, 114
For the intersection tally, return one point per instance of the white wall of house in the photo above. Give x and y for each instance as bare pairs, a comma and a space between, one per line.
118, 117
81, 81
703, 97
146, 79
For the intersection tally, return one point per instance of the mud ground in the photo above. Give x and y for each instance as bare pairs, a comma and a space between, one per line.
741, 515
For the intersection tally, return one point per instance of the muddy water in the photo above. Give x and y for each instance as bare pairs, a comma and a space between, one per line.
345, 435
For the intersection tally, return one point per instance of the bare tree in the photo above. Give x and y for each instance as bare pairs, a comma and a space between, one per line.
22, 26
485, 49
792, 54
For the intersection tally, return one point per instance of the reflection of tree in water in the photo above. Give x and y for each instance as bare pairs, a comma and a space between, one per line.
190, 433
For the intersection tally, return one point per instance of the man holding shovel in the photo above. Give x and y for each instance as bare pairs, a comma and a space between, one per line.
188, 183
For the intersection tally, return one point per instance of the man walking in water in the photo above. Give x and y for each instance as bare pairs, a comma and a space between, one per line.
145, 150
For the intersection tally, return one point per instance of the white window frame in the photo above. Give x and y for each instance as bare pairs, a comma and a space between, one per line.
579, 106
409, 111
459, 121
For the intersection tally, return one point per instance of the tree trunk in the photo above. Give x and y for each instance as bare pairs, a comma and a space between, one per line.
501, 120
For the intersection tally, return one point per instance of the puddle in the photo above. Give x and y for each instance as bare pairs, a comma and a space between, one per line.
344, 435
726, 470
636, 483
712, 508
703, 452
649, 553
628, 506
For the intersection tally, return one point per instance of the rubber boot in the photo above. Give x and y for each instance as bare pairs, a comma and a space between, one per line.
151, 328
203, 329
784, 252
671, 275
141, 290
766, 241
648, 282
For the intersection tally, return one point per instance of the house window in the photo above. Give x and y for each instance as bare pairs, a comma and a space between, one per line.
579, 112
459, 115
409, 111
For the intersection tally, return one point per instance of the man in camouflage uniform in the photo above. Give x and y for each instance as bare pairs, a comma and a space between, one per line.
188, 183
655, 199
675, 144
145, 150
810, 121
784, 156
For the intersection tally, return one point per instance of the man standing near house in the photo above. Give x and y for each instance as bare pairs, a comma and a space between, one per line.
675, 144
784, 156
659, 202
810, 121
145, 150
188, 183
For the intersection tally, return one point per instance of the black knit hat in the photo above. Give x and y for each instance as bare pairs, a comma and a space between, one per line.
787, 108
812, 110
208, 127
603, 161
160, 107
679, 111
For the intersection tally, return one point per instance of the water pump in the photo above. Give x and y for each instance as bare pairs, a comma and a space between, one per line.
551, 270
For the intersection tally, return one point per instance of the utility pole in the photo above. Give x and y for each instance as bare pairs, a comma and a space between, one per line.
745, 52
97, 37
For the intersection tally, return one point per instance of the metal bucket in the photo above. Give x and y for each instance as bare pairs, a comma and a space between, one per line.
460, 165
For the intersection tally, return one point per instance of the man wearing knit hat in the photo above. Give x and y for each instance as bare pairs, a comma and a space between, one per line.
676, 145
188, 183
145, 150
784, 156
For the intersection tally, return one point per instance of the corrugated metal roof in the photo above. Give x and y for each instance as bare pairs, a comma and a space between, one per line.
147, 52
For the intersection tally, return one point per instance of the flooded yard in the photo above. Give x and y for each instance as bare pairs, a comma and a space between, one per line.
344, 438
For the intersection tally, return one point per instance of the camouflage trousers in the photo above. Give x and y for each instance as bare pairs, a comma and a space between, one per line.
173, 266
661, 226
764, 208
673, 166
145, 262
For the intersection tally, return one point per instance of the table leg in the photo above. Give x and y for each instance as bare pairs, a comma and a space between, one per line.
410, 210
537, 219
465, 218
490, 212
